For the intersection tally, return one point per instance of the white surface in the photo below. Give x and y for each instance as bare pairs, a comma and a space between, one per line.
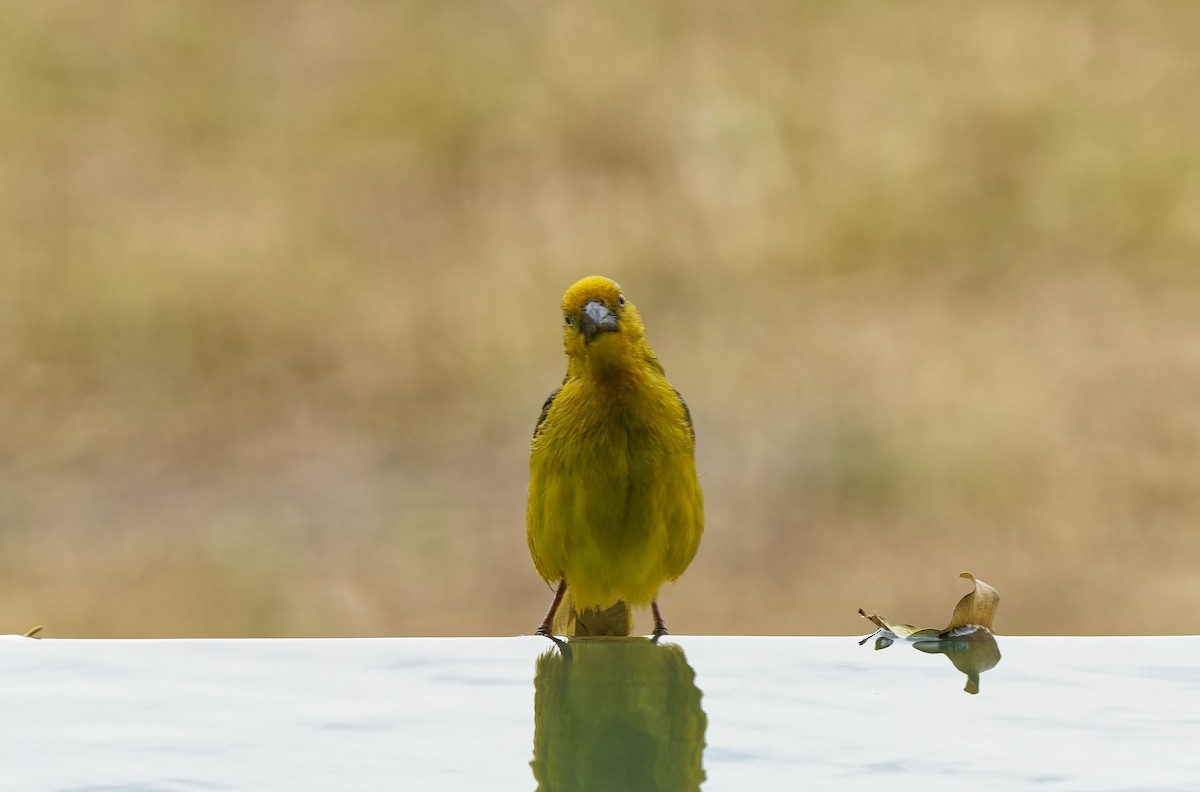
457, 713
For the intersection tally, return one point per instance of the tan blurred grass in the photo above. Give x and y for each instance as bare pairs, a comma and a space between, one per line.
278, 305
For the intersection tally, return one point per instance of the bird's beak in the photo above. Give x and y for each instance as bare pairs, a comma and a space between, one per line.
597, 319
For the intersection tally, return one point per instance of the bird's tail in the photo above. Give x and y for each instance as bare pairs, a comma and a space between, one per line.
616, 619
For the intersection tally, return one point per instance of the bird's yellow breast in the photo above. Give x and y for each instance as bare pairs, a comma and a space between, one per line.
615, 505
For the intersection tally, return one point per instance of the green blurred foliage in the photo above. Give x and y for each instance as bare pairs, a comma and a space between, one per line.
279, 289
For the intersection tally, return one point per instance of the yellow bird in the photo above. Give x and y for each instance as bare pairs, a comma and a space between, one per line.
615, 508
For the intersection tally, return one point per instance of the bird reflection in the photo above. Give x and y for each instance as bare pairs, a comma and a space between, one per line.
973, 650
617, 713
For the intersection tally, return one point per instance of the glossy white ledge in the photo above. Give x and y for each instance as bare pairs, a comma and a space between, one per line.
459, 713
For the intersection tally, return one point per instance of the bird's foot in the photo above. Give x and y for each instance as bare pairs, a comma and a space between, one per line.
546, 630
660, 627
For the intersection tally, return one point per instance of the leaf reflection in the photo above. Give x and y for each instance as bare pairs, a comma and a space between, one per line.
617, 713
973, 650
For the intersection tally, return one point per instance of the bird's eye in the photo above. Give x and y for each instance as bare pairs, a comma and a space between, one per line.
620, 299
570, 321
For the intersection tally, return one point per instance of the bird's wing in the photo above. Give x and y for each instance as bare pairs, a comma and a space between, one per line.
652, 360
546, 410
687, 413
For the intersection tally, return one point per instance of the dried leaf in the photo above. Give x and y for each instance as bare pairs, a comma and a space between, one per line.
896, 630
977, 609
967, 640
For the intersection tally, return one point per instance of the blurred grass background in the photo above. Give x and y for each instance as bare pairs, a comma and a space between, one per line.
279, 290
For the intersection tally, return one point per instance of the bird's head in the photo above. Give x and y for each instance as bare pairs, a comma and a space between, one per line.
600, 326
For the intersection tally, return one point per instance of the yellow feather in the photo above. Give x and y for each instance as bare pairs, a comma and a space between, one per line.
615, 506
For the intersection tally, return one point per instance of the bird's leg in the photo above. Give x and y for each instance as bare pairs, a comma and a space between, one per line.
660, 627
547, 628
